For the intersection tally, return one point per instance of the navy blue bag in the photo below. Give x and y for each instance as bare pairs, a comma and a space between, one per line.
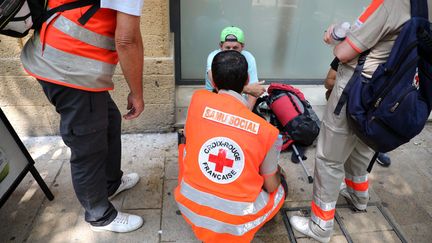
393, 106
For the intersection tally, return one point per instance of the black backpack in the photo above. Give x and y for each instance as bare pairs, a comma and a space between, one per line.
17, 17
289, 111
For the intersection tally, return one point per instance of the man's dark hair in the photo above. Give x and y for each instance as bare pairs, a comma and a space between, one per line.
230, 70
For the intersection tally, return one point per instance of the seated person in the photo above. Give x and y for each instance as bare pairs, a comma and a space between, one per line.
229, 179
232, 38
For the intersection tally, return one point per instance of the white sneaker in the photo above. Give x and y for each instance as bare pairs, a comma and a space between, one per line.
344, 192
127, 182
301, 224
123, 223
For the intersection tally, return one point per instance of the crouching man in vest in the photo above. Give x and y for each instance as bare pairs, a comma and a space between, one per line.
229, 181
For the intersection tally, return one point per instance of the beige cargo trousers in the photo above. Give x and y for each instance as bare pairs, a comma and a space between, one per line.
340, 155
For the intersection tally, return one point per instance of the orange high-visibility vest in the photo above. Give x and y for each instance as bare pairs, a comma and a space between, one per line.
220, 189
70, 54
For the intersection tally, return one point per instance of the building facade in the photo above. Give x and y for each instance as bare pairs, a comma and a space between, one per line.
285, 37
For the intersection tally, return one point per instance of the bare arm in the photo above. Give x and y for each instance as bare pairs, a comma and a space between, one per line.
344, 51
330, 79
255, 89
131, 56
251, 102
272, 182
269, 168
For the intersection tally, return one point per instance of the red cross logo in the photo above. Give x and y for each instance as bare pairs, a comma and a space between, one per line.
221, 160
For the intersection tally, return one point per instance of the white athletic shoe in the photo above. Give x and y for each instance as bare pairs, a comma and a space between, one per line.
344, 192
127, 181
123, 223
301, 224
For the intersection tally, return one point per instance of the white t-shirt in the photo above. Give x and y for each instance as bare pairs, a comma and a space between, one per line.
132, 7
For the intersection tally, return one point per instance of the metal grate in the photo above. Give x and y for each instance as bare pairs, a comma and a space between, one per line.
305, 211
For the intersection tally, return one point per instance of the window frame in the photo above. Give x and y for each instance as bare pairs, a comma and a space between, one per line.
175, 27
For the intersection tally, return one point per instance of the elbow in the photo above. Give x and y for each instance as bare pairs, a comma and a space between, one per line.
124, 42
342, 59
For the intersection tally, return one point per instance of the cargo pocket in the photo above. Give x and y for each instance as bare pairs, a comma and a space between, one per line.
87, 138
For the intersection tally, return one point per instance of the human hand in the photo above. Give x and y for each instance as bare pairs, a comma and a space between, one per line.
327, 35
255, 89
135, 106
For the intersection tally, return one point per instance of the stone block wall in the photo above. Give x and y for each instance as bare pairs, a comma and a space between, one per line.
27, 108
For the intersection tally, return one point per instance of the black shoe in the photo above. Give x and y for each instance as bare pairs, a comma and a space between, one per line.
383, 159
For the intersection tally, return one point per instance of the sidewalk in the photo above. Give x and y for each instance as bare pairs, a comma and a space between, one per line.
404, 190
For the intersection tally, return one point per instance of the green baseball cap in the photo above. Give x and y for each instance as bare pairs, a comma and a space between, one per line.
236, 33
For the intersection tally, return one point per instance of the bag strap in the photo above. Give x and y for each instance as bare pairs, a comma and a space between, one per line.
419, 8
89, 13
358, 70
372, 162
73, 5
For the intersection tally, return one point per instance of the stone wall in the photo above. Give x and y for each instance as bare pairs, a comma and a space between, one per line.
27, 108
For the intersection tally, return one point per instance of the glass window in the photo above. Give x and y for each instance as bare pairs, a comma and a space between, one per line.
285, 36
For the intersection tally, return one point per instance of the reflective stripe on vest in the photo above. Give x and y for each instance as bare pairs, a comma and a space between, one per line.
80, 33
224, 205
222, 227
66, 69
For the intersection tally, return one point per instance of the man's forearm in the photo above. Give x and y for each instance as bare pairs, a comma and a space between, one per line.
131, 52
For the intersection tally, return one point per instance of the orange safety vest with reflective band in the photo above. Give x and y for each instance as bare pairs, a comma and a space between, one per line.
67, 53
220, 189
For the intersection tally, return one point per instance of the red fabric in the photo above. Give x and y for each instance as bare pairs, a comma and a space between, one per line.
284, 110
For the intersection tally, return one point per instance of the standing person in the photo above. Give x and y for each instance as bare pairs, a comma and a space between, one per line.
340, 154
383, 159
74, 61
232, 38
229, 180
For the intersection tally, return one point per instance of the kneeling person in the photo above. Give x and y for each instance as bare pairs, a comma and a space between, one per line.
229, 181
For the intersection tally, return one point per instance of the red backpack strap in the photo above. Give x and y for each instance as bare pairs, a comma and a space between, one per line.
285, 87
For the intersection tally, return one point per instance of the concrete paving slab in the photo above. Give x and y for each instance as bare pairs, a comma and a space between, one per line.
419, 233
148, 192
56, 219
20, 210
171, 168
363, 222
46, 148
275, 227
299, 188
81, 232
174, 227
22, 207
270, 238
376, 237
148, 145
424, 200
405, 209
334, 239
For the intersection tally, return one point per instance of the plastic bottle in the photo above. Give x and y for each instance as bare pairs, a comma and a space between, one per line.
339, 32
